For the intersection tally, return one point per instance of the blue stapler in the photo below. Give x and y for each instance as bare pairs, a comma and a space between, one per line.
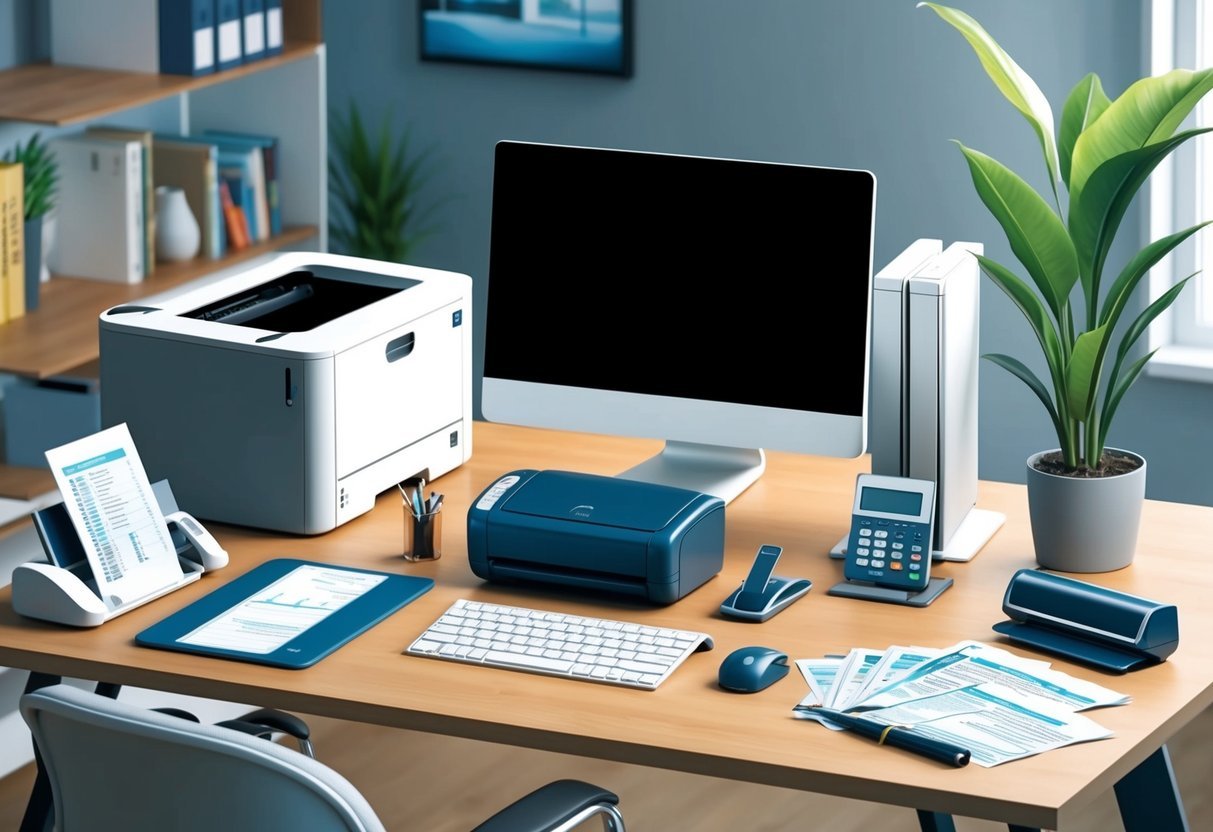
763, 594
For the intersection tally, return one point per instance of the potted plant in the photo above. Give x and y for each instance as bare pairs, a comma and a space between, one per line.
1084, 497
375, 184
40, 173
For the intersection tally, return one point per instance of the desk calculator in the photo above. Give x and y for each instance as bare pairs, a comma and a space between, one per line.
891, 526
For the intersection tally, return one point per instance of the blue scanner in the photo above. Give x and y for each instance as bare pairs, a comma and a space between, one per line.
1088, 623
608, 534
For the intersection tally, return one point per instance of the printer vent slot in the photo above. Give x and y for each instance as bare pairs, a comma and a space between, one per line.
503, 568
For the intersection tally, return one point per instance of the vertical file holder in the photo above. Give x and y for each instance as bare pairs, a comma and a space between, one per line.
63, 594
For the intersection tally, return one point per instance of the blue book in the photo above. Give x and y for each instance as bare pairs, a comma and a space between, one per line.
252, 29
229, 44
274, 33
268, 146
187, 36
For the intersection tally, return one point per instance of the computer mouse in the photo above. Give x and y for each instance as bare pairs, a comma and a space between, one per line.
751, 669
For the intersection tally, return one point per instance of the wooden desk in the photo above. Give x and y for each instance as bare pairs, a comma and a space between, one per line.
688, 724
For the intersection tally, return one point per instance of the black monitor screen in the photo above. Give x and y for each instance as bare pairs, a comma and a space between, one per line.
682, 276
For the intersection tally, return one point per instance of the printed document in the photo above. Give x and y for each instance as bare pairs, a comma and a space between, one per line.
976, 663
996, 723
271, 617
107, 494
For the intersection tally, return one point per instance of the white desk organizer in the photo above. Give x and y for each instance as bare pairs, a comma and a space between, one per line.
61, 594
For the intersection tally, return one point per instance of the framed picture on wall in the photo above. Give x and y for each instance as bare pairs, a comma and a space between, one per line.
573, 35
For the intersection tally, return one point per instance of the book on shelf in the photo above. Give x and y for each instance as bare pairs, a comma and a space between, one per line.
100, 205
242, 169
193, 166
229, 51
144, 137
12, 241
252, 15
235, 220
273, 27
270, 199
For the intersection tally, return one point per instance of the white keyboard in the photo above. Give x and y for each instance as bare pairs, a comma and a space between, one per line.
558, 644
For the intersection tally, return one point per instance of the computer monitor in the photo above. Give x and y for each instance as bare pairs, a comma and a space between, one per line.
719, 304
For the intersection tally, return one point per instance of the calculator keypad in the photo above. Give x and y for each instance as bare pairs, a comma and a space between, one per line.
889, 553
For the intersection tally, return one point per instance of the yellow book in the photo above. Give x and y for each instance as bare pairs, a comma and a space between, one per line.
12, 240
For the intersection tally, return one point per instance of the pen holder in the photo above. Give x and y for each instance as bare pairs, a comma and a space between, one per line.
422, 535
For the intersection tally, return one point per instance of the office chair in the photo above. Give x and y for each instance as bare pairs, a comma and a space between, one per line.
116, 766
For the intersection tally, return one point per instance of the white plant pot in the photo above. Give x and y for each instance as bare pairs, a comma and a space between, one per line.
178, 236
1085, 525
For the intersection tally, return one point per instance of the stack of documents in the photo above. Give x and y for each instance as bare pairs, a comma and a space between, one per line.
998, 705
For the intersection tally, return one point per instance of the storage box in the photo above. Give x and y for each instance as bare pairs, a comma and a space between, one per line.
47, 413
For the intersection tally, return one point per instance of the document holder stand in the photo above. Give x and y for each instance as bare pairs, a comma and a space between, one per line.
889, 595
62, 593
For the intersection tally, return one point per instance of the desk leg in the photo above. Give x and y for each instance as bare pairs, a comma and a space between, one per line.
39, 812
936, 822
1148, 797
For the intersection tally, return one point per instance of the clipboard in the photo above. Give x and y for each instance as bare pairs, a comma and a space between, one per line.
286, 613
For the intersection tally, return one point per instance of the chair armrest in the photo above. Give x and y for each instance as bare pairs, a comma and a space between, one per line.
551, 806
269, 720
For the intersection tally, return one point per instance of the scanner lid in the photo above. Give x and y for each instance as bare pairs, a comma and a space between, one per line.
597, 500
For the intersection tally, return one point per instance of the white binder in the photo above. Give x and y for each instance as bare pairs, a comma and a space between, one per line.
101, 192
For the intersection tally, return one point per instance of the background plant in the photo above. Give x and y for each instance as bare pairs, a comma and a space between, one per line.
41, 174
1102, 155
375, 182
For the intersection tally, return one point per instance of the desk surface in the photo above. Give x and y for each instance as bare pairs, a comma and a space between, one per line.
688, 724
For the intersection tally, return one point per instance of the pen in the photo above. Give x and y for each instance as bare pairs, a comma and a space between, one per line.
898, 737
418, 500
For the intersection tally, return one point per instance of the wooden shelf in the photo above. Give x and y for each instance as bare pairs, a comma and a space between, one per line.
61, 333
18, 483
64, 95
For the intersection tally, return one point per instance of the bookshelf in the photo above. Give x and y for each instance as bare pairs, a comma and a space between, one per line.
283, 95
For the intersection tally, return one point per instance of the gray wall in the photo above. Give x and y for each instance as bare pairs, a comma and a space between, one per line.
871, 84
875, 84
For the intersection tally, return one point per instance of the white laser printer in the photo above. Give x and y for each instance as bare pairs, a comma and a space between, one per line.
289, 395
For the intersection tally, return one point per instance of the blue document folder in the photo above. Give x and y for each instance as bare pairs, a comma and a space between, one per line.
286, 613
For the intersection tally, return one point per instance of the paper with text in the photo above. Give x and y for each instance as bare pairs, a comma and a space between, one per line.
271, 617
108, 496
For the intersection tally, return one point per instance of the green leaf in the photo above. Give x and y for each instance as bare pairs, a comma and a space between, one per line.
1137, 268
1018, 369
1085, 104
1036, 234
1097, 207
1011, 81
1034, 310
1117, 392
1149, 111
1083, 372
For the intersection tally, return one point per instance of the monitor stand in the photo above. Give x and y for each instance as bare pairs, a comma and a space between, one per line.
712, 469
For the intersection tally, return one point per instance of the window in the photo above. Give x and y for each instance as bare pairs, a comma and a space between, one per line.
1181, 195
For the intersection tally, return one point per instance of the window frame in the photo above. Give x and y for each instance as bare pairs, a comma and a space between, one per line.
1182, 340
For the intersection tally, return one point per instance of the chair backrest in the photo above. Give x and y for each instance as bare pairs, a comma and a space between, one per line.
114, 766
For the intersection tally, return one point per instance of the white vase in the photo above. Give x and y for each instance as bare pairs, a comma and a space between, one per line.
49, 227
177, 234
